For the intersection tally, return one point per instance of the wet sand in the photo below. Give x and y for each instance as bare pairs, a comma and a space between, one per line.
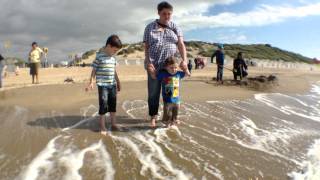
50, 130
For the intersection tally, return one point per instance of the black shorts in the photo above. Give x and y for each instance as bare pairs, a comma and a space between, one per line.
107, 99
34, 68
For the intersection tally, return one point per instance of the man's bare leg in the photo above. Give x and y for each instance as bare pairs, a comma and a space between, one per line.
37, 79
32, 79
153, 121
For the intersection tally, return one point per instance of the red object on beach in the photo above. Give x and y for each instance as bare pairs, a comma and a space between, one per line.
200, 62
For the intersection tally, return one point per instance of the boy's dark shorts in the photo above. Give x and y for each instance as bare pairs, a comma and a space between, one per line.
107, 99
170, 112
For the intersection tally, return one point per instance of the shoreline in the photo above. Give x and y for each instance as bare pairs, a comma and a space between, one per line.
200, 83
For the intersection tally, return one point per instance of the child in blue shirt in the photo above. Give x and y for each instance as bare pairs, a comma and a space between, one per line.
170, 84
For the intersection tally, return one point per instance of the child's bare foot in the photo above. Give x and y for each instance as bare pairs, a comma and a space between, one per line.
172, 124
177, 122
103, 132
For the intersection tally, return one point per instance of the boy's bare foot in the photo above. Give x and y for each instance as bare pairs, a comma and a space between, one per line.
115, 128
172, 124
177, 122
103, 132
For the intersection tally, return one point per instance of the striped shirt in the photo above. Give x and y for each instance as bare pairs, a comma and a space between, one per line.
162, 44
104, 66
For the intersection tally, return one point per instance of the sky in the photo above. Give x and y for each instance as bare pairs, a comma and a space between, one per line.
75, 26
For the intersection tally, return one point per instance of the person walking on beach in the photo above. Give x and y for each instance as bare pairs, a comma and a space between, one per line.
219, 54
34, 62
239, 67
170, 79
190, 66
2, 70
104, 70
162, 38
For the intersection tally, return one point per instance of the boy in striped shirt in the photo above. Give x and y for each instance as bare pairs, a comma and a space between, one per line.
104, 70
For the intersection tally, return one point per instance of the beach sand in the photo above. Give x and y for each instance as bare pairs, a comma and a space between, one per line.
51, 127
290, 80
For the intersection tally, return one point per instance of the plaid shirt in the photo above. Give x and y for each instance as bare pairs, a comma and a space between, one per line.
162, 44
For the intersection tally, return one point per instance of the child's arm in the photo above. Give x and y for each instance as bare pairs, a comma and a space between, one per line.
92, 76
117, 80
182, 74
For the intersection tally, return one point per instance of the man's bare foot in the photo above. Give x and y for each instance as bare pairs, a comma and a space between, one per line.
177, 122
153, 123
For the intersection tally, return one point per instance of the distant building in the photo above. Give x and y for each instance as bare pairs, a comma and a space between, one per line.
64, 63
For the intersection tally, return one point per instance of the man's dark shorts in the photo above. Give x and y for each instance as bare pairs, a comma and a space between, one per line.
107, 99
34, 68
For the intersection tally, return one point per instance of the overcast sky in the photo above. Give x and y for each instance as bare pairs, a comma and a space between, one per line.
74, 26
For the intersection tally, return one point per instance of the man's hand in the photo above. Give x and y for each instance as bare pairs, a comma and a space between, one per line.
151, 70
89, 87
184, 67
118, 87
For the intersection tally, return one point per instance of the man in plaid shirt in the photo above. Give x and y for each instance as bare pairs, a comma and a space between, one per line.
162, 39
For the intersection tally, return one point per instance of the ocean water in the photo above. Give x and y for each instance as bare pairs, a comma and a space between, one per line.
271, 136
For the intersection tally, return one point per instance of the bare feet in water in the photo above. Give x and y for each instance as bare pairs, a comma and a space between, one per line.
103, 132
115, 128
153, 122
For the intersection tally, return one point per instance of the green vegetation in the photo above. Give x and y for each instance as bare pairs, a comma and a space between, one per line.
15, 60
251, 51
131, 48
264, 51
256, 51
88, 53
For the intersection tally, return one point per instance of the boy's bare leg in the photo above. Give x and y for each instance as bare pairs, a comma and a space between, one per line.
103, 129
175, 112
113, 121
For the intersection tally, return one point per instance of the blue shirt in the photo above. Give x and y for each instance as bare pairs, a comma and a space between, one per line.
219, 57
170, 86
162, 44
104, 66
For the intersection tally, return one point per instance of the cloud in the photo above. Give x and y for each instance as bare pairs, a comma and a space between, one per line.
78, 25
263, 15
75, 26
234, 37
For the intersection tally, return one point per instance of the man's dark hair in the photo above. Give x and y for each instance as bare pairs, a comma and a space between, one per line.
164, 5
34, 43
239, 55
1, 58
170, 60
114, 41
